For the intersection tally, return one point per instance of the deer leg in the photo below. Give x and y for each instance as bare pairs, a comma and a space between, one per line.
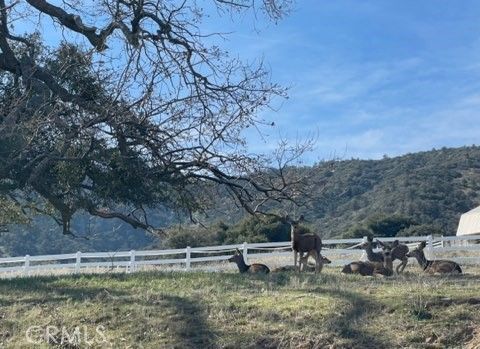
302, 261
298, 256
402, 265
316, 255
405, 263
397, 268
319, 266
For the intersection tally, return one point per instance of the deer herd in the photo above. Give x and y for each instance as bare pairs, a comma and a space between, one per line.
306, 245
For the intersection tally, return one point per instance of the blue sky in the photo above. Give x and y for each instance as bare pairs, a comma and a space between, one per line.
366, 78
369, 78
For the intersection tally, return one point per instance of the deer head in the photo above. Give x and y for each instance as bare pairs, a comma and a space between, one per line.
367, 243
387, 252
294, 224
292, 221
325, 260
237, 257
418, 251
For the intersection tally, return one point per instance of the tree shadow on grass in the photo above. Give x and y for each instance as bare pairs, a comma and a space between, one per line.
188, 326
346, 327
180, 321
350, 323
41, 290
184, 323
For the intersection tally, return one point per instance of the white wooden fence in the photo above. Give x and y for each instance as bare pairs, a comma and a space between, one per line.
463, 249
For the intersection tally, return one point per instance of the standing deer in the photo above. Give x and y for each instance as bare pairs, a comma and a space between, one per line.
304, 243
376, 257
385, 269
437, 266
399, 251
245, 268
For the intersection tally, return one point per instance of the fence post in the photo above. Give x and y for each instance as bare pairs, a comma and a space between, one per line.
364, 254
245, 252
78, 262
131, 267
188, 255
27, 265
431, 253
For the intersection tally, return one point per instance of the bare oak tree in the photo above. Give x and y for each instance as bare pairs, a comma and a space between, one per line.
132, 106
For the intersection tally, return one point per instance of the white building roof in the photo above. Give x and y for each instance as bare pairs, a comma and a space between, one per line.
469, 222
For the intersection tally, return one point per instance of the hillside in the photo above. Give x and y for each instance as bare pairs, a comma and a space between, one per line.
428, 189
415, 194
433, 188
229, 310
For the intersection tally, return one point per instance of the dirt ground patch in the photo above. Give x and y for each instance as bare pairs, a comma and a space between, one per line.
474, 343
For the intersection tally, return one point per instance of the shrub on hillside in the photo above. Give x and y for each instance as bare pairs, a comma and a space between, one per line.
357, 233
389, 226
250, 229
421, 230
193, 236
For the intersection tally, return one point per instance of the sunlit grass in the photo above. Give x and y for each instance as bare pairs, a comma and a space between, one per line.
229, 310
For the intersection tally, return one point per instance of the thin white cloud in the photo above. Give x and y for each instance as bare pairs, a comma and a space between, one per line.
339, 84
401, 130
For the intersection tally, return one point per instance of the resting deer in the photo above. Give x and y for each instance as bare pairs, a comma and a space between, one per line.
304, 261
437, 266
385, 269
307, 242
359, 267
399, 251
371, 268
309, 267
245, 268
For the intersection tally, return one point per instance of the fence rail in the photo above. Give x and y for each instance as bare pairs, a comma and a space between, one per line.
339, 250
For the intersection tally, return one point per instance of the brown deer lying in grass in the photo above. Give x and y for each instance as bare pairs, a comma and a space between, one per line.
437, 266
399, 251
307, 267
245, 268
384, 268
304, 242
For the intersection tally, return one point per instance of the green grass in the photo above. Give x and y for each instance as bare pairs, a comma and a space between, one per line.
229, 310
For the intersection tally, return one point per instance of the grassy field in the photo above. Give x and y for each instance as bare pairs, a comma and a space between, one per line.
228, 310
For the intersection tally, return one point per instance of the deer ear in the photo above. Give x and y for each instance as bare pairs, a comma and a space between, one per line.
237, 251
370, 238
383, 246
422, 245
